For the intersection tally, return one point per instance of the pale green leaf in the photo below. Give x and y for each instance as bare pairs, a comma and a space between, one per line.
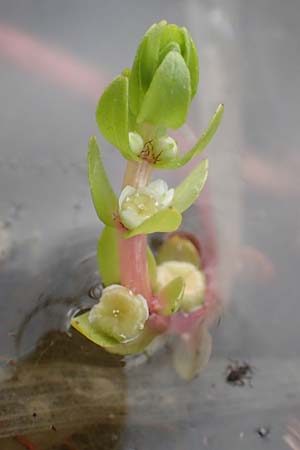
192, 352
169, 95
205, 138
103, 196
82, 325
170, 295
112, 115
189, 190
165, 220
199, 146
108, 257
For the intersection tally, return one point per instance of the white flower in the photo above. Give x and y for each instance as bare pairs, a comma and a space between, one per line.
194, 281
137, 205
120, 313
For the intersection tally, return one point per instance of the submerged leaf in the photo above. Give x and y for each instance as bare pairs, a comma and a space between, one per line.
192, 352
170, 295
104, 198
82, 324
108, 257
189, 190
165, 220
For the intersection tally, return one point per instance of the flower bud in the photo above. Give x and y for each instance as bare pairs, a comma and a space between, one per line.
194, 281
120, 314
165, 148
136, 142
137, 205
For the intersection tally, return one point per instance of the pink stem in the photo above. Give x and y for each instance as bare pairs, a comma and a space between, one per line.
133, 265
133, 251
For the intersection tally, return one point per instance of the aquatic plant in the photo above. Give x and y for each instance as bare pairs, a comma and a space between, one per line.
145, 296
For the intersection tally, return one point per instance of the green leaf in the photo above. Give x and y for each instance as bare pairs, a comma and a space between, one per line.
82, 325
138, 345
152, 268
168, 98
199, 146
188, 191
163, 221
193, 64
112, 115
205, 138
170, 295
103, 196
108, 257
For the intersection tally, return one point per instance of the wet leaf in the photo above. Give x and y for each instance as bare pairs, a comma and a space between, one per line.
103, 196
192, 352
82, 325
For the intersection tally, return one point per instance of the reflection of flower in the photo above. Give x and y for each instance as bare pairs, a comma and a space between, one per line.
119, 314
137, 205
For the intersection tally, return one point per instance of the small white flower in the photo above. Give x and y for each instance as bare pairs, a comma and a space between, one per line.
137, 205
120, 313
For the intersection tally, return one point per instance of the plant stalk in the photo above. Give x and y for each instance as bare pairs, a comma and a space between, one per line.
133, 251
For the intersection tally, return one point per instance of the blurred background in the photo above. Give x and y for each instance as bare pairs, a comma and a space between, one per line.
55, 59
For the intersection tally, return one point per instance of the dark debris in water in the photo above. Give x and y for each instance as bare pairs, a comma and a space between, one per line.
263, 432
238, 373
